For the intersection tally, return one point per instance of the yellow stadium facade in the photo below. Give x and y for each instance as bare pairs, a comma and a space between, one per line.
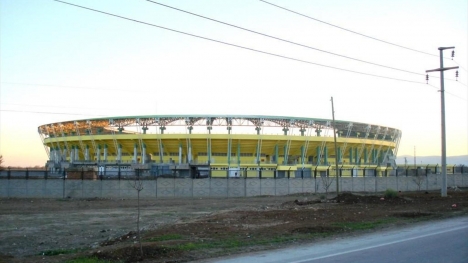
220, 145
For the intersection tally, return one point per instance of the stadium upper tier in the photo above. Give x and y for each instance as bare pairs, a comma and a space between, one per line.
219, 140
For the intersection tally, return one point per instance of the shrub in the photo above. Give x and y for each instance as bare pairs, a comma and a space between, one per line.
390, 193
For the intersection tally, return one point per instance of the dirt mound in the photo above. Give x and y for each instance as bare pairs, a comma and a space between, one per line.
349, 198
132, 253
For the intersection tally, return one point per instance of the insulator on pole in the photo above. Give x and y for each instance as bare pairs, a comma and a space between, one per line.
427, 78
453, 54
456, 75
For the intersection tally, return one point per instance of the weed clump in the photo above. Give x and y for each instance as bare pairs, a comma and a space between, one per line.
390, 193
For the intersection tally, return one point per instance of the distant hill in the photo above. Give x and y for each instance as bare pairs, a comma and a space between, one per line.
451, 160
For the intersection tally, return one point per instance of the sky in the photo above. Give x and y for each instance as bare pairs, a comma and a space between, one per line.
60, 62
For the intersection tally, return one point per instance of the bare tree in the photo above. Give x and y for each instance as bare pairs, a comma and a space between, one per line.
327, 181
418, 179
137, 184
1, 162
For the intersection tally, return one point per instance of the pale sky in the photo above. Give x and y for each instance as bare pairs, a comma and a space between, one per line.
60, 63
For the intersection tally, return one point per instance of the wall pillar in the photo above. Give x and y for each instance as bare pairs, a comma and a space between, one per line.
119, 154
180, 153
143, 154
365, 156
356, 157
338, 156
319, 159
72, 154
302, 155
64, 154
135, 152
238, 154
105, 152
77, 154
325, 153
52, 154
98, 154
276, 154
87, 153
189, 152
285, 151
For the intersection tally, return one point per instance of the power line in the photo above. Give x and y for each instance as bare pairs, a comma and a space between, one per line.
61, 113
52, 106
438, 89
238, 46
284, 40
68, 87
345, 29
458, 64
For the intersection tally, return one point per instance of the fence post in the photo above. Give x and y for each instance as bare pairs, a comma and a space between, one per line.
9, 173
45, 174
27, 173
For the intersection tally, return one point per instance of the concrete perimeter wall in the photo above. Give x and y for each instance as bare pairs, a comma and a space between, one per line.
217, 187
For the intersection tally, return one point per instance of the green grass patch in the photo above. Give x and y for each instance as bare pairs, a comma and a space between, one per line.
164, 238
365, 225
224, 244
232, 244
61, 251
88, 260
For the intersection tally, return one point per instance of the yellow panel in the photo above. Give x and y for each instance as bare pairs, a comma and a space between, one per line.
218, 173
252, 173
286, 168
321, 168
268, 173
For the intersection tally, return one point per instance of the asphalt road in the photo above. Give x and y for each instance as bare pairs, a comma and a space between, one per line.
431, 242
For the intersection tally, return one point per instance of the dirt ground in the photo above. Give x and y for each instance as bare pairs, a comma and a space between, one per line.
183, 230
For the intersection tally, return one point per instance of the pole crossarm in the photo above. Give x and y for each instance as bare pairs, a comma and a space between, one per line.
441, 69
444, 48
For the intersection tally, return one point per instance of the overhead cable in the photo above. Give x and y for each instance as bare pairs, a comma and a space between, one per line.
284, 40
238, 46
60, 113
345, 29
71, 87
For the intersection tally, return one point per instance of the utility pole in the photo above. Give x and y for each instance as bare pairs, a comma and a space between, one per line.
336, 151
443, 190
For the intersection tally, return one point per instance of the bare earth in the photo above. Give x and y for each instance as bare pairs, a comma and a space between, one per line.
182, 230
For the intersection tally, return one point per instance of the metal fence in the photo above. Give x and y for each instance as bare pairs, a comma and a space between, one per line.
127, 173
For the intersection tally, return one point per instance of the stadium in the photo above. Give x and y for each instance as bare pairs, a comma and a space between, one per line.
198, 146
